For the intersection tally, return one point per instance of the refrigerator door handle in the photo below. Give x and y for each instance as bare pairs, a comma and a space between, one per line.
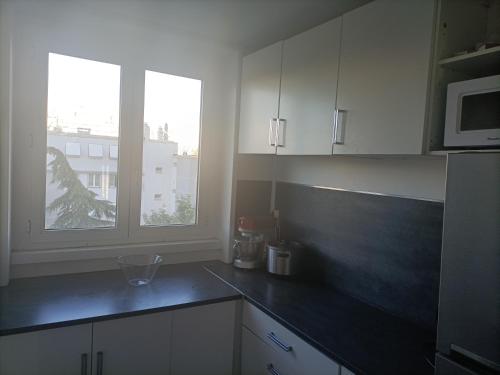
475, 358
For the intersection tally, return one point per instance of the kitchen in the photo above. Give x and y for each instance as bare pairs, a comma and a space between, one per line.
363, 133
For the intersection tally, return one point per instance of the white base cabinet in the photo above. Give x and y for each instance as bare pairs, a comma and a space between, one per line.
59, 351
131, 346
282, 348
203, 340
197, 340
259, 358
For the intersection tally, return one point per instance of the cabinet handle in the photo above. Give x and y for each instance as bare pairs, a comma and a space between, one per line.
271, 336
84, 364
272, 132
280, 130
339, 127
271, 369
100, 362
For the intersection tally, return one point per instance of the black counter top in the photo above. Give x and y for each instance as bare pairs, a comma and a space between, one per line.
54, 301
354, 334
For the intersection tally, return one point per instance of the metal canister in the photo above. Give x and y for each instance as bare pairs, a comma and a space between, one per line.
284, 257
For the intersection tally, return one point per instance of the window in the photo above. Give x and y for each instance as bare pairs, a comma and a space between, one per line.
95, 151
72, 149
95, 180
157, 197
113, 183
113, 152
83, 103
159, 170
172, 107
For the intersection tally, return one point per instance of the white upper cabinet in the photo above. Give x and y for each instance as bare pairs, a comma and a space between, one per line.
355, 85
308, 90
260, 90
384, 76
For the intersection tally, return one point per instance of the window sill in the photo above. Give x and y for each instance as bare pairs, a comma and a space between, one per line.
103, 252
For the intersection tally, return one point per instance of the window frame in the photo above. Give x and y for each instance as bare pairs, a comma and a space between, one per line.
127, 229
177, 232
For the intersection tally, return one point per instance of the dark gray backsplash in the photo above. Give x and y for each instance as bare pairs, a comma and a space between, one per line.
380, 249
253, 198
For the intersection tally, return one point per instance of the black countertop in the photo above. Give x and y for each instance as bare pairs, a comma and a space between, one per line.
54, 301
356, 335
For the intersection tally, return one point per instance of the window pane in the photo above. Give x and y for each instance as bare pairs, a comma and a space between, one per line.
95, 151
82, 120
172, 108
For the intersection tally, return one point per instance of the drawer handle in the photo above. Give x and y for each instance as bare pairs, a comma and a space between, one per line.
271, 369
271, 336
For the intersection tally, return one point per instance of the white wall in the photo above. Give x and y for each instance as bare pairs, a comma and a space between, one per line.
88, 31
407, 176
415, 177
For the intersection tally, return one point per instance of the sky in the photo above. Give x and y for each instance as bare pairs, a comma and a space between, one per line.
85, 93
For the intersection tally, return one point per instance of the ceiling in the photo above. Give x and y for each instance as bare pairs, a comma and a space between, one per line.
247, 25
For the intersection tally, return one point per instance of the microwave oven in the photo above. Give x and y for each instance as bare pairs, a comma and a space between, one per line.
473, 113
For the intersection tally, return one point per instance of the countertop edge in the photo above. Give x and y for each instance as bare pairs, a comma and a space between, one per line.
126, 314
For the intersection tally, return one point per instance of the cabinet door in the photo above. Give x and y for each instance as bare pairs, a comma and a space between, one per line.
258, 358
58, 351
131, 346
309, 90
383, 79
203, 339
260, 88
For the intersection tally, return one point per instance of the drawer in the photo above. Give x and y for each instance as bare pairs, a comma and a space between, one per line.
258, 358
296, 353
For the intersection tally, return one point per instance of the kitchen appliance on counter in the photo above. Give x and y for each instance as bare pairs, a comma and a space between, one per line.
249, 246
468, 340
284, 257
473, 113
248, 250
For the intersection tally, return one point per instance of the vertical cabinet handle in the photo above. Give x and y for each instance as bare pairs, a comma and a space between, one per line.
100, 362
84, 364
271, 336
271, 369
272, 132
339, 127
280, 132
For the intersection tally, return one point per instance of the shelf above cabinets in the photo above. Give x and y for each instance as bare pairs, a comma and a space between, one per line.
483, 63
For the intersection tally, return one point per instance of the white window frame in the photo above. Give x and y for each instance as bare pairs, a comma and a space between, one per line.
33, 235
201, 228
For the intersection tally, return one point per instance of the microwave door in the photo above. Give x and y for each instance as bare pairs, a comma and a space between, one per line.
469, 300
480, 112
473, 113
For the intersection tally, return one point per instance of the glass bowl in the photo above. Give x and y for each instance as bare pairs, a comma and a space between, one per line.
139, 269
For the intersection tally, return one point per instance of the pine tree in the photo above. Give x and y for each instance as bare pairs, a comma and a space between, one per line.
77, 207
